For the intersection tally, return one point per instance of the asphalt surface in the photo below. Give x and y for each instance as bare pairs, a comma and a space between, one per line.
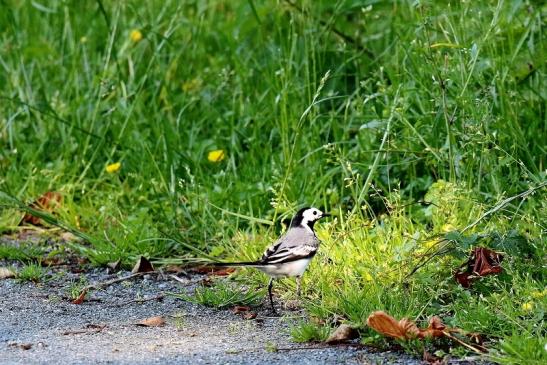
39, 324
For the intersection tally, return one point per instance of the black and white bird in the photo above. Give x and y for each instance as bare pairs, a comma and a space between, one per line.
291, 254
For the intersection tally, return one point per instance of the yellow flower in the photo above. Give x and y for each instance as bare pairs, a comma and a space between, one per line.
216, 155
367, 276
114, 167
528, 306
135, 35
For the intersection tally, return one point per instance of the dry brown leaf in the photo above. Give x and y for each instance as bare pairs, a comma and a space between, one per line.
404, 329
80, 298
482, 262
174, 269
6, 273
114, 266
432, 359
387, 325
48, 202
142, 265
156, 321
343, 333
249, 315
435, 328
240, 309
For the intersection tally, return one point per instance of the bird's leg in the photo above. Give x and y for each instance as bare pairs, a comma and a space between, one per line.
298, 285
270, 285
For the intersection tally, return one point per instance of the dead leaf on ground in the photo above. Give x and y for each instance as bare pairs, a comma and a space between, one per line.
142, 265
80, 298
68, 237
48, 202
343, 333
6, 273
404, 329
156, 321
240, 309
482, 262
432, 359
176, 269
249, 315
114, 266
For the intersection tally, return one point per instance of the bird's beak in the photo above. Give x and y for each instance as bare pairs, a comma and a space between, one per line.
323, 215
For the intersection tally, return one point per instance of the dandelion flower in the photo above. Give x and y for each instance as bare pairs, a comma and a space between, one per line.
135, 35
114, 167
216, 155
528, 306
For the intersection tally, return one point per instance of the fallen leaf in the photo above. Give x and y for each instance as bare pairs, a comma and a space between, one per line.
48, 202
114, 266
435, 328
404, 329
6, 273
249, 315
432, 359
177, 269
68, 237
387, 325
80, 298
482, 262
240, 309
156, 321
343, 333
53, 261
142, 265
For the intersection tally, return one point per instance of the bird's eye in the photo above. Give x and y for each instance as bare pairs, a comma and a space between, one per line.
315, 212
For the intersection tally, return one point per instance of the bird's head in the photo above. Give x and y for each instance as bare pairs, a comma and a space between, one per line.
307, 217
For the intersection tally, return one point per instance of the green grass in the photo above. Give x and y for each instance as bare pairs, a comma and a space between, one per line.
408, 120
224, 295
308, 332
31, 272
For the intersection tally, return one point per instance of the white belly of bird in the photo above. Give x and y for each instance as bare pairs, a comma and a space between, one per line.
293, 268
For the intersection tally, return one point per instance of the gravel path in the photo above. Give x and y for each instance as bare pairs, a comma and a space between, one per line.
103, 330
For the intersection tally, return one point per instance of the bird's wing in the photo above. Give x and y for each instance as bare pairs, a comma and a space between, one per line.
293, 246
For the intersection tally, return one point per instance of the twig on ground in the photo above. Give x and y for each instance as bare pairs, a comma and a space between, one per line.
93, 328
140, 300
114, 281
176, 278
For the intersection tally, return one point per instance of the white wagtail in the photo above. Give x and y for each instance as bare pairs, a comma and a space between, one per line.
290, 255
